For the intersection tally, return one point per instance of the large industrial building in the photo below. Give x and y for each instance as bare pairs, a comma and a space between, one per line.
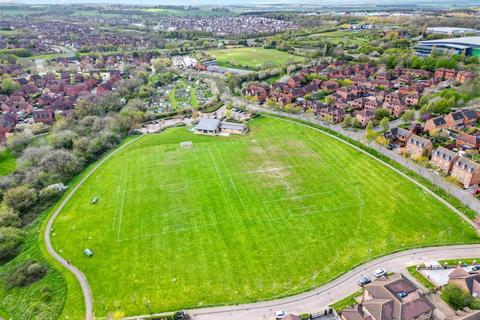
452, 31
468, 45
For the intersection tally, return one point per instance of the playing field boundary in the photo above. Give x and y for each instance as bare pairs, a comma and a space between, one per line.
82, 280
403, 174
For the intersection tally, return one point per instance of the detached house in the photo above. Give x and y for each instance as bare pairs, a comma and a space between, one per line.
392, 298
444, 159
437, 123
418, 146
468, 281
466, 171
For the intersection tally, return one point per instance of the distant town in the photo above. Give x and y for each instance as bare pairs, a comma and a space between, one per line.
277, 161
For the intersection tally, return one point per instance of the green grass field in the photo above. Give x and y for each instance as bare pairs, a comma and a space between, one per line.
241, 218
252, 58
337, 37
7, 163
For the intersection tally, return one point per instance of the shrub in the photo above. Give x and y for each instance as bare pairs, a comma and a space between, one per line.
456, 297
26, 274
20, 199
9, 219
10, 240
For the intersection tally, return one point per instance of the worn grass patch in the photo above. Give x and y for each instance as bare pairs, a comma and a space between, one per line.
240, 218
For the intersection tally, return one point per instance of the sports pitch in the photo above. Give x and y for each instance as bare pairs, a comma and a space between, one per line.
253, 58
241, 218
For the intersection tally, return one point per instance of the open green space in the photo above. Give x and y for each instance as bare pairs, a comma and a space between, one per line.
242, 218
336, 37
7, 162
253, 58
44, 299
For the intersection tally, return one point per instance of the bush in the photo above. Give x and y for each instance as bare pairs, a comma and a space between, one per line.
9, 219
10, 240
20, 199
456, 297
26, 274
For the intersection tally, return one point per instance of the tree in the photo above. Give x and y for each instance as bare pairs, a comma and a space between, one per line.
385, 124
347, 121
408, 116
9, 85
9, 219
456, 297
10, 239
20, 199
371, 135
381, 113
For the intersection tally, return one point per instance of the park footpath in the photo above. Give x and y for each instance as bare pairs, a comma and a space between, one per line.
358, 135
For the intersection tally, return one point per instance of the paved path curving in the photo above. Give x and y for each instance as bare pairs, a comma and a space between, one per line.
320, 298
311, 301
87, 294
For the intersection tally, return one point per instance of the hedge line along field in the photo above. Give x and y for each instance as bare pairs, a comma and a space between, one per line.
241, 218
253, 58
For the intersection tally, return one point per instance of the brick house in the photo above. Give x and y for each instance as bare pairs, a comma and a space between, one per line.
7, 123
445, 74
455, 120
444, 159
468, 281
364, 116
334, 114
434, 124
464, 76
387, 298
257, 91
395, 108
466, 141
466, 171
44, 116
418, 146
295, 81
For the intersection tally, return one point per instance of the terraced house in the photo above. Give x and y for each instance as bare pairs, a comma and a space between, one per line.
444, 159
466, 171
418, 146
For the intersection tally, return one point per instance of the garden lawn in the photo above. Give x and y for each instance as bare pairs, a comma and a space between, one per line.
253, 58
241, 218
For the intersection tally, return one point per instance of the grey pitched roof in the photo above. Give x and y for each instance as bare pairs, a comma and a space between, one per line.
208, 124
468, 164
232, 126
445, 153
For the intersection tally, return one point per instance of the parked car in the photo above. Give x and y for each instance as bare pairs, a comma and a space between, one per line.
476, 268
379, 272
363, 281
279, 315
